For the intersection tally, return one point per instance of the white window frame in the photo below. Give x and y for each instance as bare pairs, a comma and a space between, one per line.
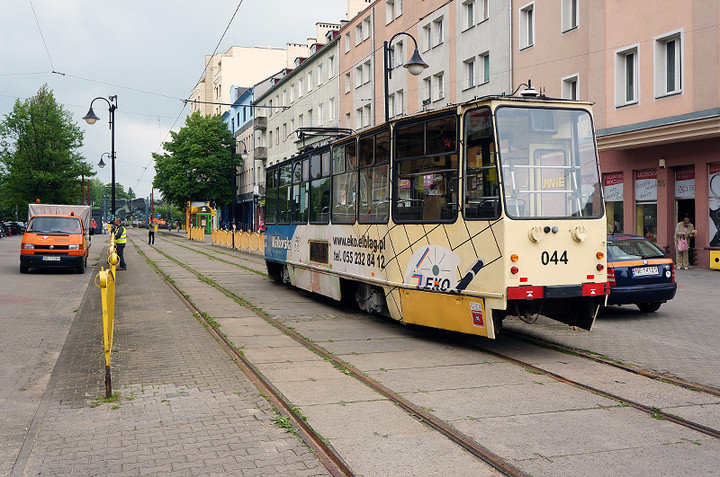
427, 88
310, 118
439, 81
331, 67
358, 34
368, 115
391, 105
565, 84
367, 72
398, 53
468, 14
427, 37
660, 63
484, 11
301, 86
348, 120
309, 81
348, 83
320, 114
331, 109
389, 11
566, 21
284, 98
277, 136
320, 76
358, 76
438, 26
469, 72
621, 75
485, 57
358, 117
399, 102
526, 20
347, 42
366, 28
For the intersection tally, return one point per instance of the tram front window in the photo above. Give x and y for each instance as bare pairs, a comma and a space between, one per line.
549, 163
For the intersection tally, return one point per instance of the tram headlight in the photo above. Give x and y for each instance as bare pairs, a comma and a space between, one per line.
514, 270
514, 257
535, 234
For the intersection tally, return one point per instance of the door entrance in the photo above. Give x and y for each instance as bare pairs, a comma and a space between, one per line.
686, 208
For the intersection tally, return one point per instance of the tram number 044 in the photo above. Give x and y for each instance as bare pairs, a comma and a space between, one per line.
546, 258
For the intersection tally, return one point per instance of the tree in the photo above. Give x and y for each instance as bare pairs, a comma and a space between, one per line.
197, 164
39, 156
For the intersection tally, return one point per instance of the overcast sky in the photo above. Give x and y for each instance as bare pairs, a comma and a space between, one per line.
150, 45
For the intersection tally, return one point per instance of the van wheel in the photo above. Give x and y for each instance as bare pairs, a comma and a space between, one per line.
24, 268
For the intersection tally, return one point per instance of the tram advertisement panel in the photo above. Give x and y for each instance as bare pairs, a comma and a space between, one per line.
714, 204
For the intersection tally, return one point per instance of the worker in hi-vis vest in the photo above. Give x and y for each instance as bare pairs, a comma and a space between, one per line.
120, 241
152, 228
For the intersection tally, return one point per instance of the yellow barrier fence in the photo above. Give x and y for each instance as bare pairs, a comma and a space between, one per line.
251, 242
197, 234
105, 280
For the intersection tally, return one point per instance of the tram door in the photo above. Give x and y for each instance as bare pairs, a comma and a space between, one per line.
686, 208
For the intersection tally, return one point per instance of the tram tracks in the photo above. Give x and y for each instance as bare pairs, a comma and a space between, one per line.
464, 441
415, 411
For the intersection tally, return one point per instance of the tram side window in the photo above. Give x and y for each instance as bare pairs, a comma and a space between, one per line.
320, 188
271, 197
426, 181
374, 185
344, 183
301, 172
482, 189
284, 191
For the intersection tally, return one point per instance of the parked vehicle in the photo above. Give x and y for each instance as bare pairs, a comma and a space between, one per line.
15, 228
639, 273
56, 236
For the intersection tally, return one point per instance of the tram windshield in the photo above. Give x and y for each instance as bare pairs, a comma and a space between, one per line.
549, 163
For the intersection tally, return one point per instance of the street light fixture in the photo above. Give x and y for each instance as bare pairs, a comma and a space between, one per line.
92, 118
415, 66
244, 154
101, 164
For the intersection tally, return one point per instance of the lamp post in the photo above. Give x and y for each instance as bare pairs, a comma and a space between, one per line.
415, 66
91, 118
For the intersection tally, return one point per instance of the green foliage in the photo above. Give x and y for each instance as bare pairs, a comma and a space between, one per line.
197, 164
169, 212
98, 191
39, 156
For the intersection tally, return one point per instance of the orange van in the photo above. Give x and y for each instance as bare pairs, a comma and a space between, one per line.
54, 240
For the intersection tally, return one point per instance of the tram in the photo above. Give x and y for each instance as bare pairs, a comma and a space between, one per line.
451, 219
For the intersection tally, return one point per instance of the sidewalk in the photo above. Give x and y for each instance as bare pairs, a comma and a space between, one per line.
183, 407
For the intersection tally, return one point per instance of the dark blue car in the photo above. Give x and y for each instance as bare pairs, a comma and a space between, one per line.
639, 273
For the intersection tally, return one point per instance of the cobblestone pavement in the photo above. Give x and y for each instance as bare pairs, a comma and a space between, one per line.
184, 408
36, 310
543, 426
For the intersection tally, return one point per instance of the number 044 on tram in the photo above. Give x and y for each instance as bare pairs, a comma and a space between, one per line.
450, 219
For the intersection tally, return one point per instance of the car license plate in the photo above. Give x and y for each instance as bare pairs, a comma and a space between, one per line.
644, 271
49, 258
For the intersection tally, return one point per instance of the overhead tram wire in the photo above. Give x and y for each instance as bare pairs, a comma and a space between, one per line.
221, 38
42, 37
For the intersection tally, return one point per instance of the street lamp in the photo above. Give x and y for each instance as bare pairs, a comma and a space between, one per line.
91, 118
415, 66
244, 154
101, 164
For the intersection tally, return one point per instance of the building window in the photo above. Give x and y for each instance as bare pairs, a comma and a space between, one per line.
399, 54
277, 135
331, 109
439, 31
399, 103
427, 37
320, 114
232, 121
285, 131
331, 67
366, 72
270, 109
309, 81
301, 85
469, 66
439, 86
270, 135
347, 82
358, 76
468, 14
389, 11
391, 105
626, 76
366, 28
358, 34
347, 42
348, 120
485, 63
319, 74
527, 26
570, 87
427, 90
668, 64
484, 10
300, 121
310, 118
358, 118
292, 126
284, 97
569, 15
366, 115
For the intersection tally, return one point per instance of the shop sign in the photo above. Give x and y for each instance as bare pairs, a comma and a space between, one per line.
613, 187
685, 183
646, 185
714, 204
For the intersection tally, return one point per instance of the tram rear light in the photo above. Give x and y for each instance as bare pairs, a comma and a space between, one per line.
514, 270
600, 267
600, 255
514, 257
611, 277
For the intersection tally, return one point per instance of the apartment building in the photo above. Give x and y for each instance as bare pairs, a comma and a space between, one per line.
651, 70
303, 97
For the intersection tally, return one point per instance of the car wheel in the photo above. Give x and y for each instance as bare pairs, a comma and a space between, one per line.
648, 307
24, 268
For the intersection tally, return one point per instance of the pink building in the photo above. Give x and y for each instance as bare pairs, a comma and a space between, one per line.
651, 68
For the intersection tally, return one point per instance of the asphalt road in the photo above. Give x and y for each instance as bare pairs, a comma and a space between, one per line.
36, 311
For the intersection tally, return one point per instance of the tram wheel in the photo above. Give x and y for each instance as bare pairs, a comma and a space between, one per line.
285, 275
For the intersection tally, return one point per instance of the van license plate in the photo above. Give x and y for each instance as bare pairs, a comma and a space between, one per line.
48, 258
644, 271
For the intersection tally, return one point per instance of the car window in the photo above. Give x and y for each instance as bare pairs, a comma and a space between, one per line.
633, 249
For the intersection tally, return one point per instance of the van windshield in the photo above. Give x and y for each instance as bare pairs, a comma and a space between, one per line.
48, 225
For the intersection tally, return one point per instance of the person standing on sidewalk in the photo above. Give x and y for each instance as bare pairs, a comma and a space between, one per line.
120, 241
683, 231
152, 228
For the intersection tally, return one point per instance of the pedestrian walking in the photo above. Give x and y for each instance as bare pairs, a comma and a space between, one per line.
152, 228
93, 226
683, 231
120, 241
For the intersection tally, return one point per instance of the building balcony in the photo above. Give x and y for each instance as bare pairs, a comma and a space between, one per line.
260, 123
260, 153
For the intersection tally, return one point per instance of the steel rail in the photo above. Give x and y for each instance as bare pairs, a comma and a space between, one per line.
636, 405
625, 367
332, 461
464, 441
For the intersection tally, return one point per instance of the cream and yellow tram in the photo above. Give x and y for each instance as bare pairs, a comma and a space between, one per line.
450, 219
